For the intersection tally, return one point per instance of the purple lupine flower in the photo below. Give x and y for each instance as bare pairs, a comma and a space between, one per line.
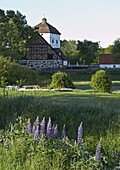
36, 134
52, 131
49, 128
63, 136
37, 121
42, 127
98, 149
56, 132
33, 129
29, 127
80, 134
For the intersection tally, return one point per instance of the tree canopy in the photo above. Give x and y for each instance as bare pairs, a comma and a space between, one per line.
69, 49
88, 51
14, 34
116, 47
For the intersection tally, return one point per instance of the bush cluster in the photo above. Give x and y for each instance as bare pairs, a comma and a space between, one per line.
101, 81
61, 80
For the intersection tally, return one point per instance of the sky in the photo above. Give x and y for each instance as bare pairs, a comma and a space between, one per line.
94, 20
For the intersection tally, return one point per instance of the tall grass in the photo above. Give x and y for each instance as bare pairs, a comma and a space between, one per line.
99, 112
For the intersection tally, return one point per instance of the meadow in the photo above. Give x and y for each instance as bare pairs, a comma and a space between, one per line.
99, 112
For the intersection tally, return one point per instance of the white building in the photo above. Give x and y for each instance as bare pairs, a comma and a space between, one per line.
52, 36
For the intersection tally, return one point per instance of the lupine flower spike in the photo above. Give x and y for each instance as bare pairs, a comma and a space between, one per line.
33, 129
52, 131
29, 127
36, 134
63, 136
98, 149
42, 127
56, 132
49, 128
37, 122
80, 134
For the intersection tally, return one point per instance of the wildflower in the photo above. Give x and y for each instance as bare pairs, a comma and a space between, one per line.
29, 127
49, 128
63, 136
98, 149
80, 134
56, 132
36, 134
33, 129
52, 131
37, 122
42, 127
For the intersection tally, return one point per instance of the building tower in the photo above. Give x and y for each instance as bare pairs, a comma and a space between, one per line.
49, 33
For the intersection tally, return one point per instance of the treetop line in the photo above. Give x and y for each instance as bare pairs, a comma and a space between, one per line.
44, 45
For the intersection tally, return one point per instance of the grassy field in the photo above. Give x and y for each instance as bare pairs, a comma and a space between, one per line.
99, 112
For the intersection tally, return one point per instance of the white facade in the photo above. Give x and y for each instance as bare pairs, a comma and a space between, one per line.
109, 65
52, 39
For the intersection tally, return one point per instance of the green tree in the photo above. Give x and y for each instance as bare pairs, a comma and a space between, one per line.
14, 34
116, 47
10, 46
107, 50
70, 51
88, 51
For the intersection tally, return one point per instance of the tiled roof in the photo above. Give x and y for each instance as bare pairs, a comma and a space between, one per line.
60, 53
109, 59
45, 27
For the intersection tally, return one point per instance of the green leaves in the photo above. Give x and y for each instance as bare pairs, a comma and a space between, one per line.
101, 81
14, 33
88, 51
61, 80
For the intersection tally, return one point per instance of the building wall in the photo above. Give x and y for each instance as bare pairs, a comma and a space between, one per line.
40, 50
52, 39
109, 66
42, 64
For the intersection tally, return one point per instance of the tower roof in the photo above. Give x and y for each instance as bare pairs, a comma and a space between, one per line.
45, 27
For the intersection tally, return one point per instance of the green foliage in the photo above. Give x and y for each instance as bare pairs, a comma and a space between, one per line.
61, 80
19, 150
15, 73
3, 84
116, 47
69, 49
101, 81
100, 116
14, 34
88, 51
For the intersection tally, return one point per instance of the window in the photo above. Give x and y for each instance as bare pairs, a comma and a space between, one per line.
56, 41
49, 56
52, 41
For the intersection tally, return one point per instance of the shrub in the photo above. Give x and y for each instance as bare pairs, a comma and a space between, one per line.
101, 81
61, 80
16, 73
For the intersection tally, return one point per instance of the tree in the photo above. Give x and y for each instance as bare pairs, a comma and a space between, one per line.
10, 46
116, 47
88, 51
69, 49
107, 50
14, 34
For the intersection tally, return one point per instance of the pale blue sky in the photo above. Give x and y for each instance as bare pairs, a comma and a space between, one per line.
95, 20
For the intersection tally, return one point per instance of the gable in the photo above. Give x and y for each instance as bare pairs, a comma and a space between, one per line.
39, 49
